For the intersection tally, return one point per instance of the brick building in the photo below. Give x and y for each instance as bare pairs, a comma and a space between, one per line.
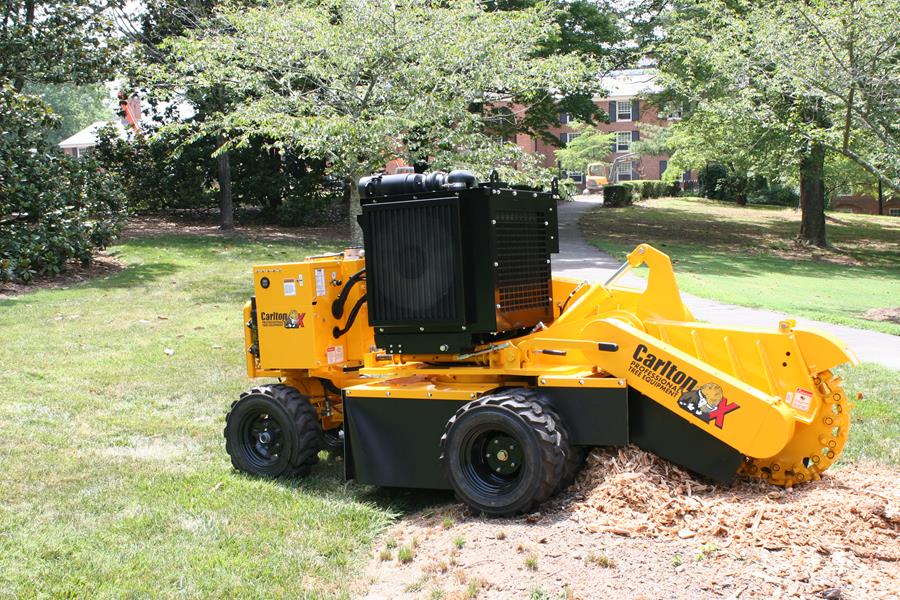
863, 204
626, 105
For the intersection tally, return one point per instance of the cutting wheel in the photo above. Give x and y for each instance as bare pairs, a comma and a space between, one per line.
815, 446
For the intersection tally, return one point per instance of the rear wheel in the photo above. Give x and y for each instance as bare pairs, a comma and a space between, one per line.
273, 431
505, 452
574, 460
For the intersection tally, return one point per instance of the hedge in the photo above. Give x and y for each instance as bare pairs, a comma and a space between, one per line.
626, 192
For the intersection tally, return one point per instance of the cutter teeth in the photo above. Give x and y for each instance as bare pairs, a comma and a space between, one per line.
814, 447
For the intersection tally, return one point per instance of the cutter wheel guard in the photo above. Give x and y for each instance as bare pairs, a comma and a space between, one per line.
445, 355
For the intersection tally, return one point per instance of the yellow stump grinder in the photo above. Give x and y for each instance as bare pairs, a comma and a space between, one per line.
446, 356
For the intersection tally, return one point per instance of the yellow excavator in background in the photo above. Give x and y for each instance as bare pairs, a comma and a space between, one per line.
462, 362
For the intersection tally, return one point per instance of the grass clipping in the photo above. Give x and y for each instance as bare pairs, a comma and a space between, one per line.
632, 492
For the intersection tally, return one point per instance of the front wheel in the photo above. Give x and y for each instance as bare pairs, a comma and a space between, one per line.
273, 431
504, 453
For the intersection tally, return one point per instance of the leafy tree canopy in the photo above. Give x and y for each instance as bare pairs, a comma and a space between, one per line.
57, 41
357, 83
798, 73
591, 146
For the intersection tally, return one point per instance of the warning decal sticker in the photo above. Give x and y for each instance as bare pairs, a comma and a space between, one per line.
320, 282
290, 288
335, 354
801, 400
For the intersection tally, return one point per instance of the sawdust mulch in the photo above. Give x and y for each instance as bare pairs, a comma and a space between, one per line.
635, 526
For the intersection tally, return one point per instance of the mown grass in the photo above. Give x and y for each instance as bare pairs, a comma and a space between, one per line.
875, 418
747, 256
114, 481
113, 477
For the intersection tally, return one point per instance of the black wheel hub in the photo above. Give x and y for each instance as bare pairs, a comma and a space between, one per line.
492, 460
262, 437
503, 455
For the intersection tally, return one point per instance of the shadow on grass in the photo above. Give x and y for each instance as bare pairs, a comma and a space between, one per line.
327, 480
720, 245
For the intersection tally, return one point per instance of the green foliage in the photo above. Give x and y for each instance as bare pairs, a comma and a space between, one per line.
774, 79
592, 145
712, 180
356, 83
57, 41
654, 140
617, 195
53, 208
158, 171
583, 27
650, 188
776, 194
77, 106
169, 168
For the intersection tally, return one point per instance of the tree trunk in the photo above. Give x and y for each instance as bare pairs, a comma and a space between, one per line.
812, 195
740, 192
226, 203
356, 236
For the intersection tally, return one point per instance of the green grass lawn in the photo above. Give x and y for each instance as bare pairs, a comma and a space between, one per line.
114, 481
747, 256
875, 418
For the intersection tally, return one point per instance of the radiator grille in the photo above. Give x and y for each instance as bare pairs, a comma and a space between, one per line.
523, 277
413, 265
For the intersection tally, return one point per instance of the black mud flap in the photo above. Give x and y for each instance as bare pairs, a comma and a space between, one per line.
657, 429
395, 442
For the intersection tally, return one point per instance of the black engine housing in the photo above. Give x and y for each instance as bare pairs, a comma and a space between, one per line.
451, 263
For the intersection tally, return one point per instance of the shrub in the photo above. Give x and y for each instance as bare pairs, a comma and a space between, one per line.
171, 168
775, 194
617, 195
712, 182
53, 208
649, 188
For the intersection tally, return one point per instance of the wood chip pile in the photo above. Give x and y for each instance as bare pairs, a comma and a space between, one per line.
631, 492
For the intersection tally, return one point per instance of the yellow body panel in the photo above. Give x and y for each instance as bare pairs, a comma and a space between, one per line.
294, 319
756, 390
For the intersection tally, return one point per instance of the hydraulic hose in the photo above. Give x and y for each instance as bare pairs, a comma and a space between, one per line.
337, 307
337, 331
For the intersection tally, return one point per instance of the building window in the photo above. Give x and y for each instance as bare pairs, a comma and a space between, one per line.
663, 165
564, 118
623, 141
565, 138
894, 212
623, 110
623, 171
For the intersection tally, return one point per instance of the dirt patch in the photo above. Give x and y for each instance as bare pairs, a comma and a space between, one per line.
153, 226
635, 526
892, 315
101, 265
